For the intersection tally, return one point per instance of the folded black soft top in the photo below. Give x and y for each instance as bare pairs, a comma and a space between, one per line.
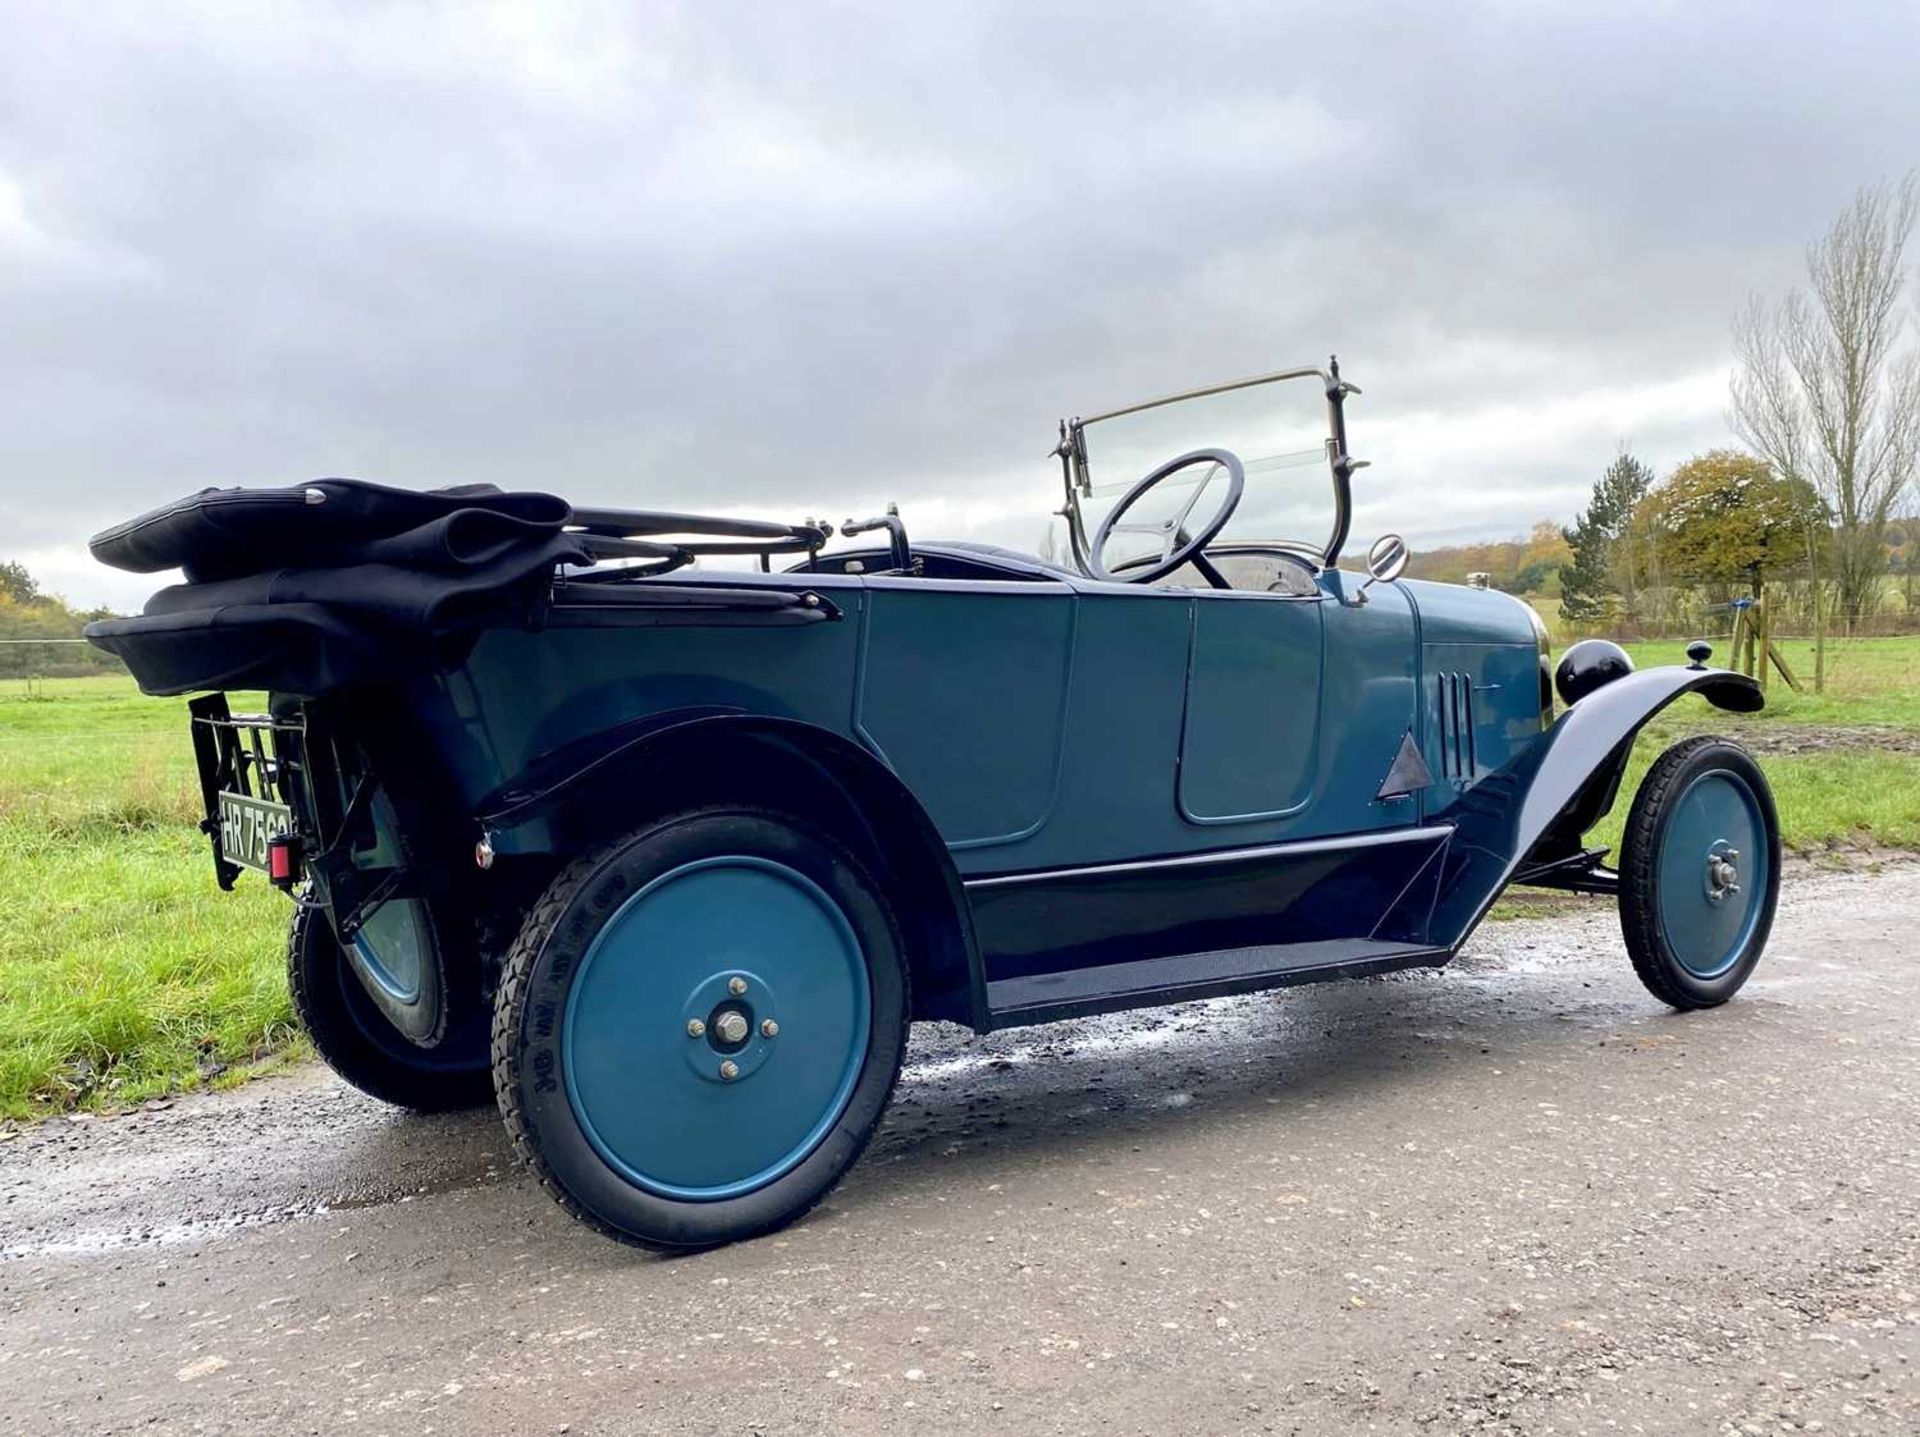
302, 589
224, 533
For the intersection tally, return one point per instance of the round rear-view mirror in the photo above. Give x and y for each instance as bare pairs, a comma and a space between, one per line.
1387, 559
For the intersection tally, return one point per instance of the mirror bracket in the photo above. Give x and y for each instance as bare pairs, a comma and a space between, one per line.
1386, 562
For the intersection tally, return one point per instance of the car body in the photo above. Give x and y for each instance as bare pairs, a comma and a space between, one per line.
1073, 791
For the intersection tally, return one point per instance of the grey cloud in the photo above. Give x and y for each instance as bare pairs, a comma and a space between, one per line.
790, 257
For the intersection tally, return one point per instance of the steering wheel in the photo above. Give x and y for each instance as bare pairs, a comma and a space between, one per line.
1177, 546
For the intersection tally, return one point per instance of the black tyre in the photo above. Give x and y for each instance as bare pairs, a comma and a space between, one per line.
700, 1026
360, 1043
1699, 872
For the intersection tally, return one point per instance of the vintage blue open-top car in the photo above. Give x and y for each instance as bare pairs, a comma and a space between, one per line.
662, 829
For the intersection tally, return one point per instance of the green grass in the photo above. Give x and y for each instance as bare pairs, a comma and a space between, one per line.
1857, 793
124, 972
1869, 682
1826, 801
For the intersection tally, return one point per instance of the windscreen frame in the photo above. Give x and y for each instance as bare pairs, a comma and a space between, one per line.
1077, 478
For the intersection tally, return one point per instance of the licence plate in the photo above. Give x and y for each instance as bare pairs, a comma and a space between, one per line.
248, 825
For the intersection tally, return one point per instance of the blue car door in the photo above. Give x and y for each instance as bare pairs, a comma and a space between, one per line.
1249, 745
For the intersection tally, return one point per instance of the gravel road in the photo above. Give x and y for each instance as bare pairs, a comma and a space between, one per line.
1516, 1195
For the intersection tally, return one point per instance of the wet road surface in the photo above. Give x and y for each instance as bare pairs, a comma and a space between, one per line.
1516, 1195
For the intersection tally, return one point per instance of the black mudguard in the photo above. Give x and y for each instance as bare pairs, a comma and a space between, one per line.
1542, 802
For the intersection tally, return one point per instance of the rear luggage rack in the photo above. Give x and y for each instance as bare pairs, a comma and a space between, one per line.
256, 755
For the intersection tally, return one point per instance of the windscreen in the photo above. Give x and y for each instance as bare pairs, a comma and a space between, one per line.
1278, 430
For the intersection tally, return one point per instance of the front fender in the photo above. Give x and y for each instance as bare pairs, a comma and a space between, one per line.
1592, 737
1563, 784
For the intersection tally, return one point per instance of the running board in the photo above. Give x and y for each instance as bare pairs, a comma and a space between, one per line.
1148, 982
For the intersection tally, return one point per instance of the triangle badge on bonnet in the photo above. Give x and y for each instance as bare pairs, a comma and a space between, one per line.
1408, 774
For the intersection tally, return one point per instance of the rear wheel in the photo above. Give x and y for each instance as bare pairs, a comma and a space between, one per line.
413, 950
1699, 872
699, 1027
358, 1040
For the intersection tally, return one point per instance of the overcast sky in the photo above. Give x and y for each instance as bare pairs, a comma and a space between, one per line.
795, 259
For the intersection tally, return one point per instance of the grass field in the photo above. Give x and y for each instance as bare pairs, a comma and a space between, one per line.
1855, 780
124, 973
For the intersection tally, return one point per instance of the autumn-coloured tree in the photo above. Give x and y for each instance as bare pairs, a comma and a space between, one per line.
17, 584
1514, 566
1725, 518
28, 614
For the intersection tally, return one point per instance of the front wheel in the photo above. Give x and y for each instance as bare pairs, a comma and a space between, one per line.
1699, 872
699, 1027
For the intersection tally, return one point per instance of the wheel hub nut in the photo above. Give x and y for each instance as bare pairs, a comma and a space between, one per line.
730, 1026
696, 1028
736, 986
1722, 876
769, 1028
729, 1070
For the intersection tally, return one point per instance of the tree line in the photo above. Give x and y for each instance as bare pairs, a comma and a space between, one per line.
29, 615
1825, 398
1811, 511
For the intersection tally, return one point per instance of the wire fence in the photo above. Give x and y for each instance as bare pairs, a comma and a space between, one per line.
28, 661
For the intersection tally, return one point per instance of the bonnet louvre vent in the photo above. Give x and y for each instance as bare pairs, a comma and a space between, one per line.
1457, 757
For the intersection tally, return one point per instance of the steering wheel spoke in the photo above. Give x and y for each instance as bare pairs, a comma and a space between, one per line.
1212, 575
1179, 521
1177, 546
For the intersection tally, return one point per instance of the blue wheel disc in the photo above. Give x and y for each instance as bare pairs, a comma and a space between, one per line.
1713, 867
716, 1028
393, 947
390, 950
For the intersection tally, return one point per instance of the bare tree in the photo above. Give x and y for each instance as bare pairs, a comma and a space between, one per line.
1826, 386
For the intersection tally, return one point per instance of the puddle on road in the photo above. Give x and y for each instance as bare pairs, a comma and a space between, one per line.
1042, 1044
107, 1241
